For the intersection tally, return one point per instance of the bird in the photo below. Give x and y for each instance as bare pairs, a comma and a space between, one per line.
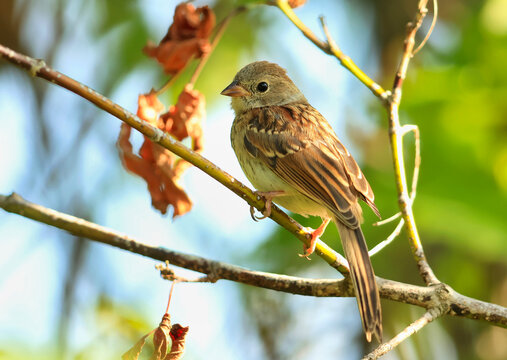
292, 156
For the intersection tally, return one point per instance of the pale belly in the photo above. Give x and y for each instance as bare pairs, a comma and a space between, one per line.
264, 180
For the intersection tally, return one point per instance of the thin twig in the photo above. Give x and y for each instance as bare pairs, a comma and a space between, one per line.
40, 69
170, 82
415, 177
218, 35
417, 325
440, 296
389, 239
388, 220
405, 129
167, 273
330, 48
396, 139
170, 296
430, 30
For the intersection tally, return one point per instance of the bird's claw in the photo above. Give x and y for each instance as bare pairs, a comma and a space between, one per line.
268, 196
257, 218
306, 253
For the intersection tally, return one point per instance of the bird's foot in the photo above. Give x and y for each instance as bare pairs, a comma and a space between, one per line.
268, 196
315, 236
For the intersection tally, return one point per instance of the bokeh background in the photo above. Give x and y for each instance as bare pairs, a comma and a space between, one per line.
69, 298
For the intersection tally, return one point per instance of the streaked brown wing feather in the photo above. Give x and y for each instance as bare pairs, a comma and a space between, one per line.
289, 140
356, 177
315, 178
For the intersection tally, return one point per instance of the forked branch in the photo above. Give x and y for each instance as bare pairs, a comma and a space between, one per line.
391, 100
330, 48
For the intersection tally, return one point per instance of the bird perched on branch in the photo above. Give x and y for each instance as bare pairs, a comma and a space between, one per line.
292, 156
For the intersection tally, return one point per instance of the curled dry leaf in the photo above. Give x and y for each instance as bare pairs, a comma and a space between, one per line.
178, 334
162, 335
134, 352
188, 36
160, 168
185, 120
148, 108
161, 338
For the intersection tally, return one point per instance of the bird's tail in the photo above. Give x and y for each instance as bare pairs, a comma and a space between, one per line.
363, 278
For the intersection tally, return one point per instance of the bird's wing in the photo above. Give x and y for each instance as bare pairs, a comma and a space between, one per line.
298, 144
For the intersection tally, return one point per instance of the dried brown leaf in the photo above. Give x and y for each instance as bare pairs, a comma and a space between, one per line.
134, 352
187, 37
149, 107
156, 165
161, 338
178, 334
185, 120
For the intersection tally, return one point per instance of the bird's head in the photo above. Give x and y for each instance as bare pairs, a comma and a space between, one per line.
262, 84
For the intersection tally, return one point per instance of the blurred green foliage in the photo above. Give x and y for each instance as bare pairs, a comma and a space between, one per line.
456, 93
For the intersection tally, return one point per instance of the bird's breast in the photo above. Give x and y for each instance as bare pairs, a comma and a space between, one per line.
265, 180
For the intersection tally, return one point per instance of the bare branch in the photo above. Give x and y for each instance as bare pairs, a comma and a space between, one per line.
40, 69
332, 49
440, 296
396, 138
392, 102
415, 177
218, 35
430, 30
405, 129
170, 82
417, 325
388, 220
389, 239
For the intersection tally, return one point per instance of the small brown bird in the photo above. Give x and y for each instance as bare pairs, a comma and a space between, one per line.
292, 156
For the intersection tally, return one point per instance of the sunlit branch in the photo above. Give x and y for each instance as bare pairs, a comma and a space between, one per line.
389, 239
415, 177
392, 101
40, 69
387, 220
396, 133
441, 296
417, 325
332, 49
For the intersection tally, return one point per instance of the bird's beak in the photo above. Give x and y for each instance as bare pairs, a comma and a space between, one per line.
235, 90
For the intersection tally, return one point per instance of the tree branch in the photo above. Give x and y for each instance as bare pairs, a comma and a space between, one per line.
329, 47
40, 69
396, 133
435, 297
417, 325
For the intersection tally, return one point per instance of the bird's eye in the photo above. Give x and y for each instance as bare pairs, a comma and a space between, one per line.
262, 86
